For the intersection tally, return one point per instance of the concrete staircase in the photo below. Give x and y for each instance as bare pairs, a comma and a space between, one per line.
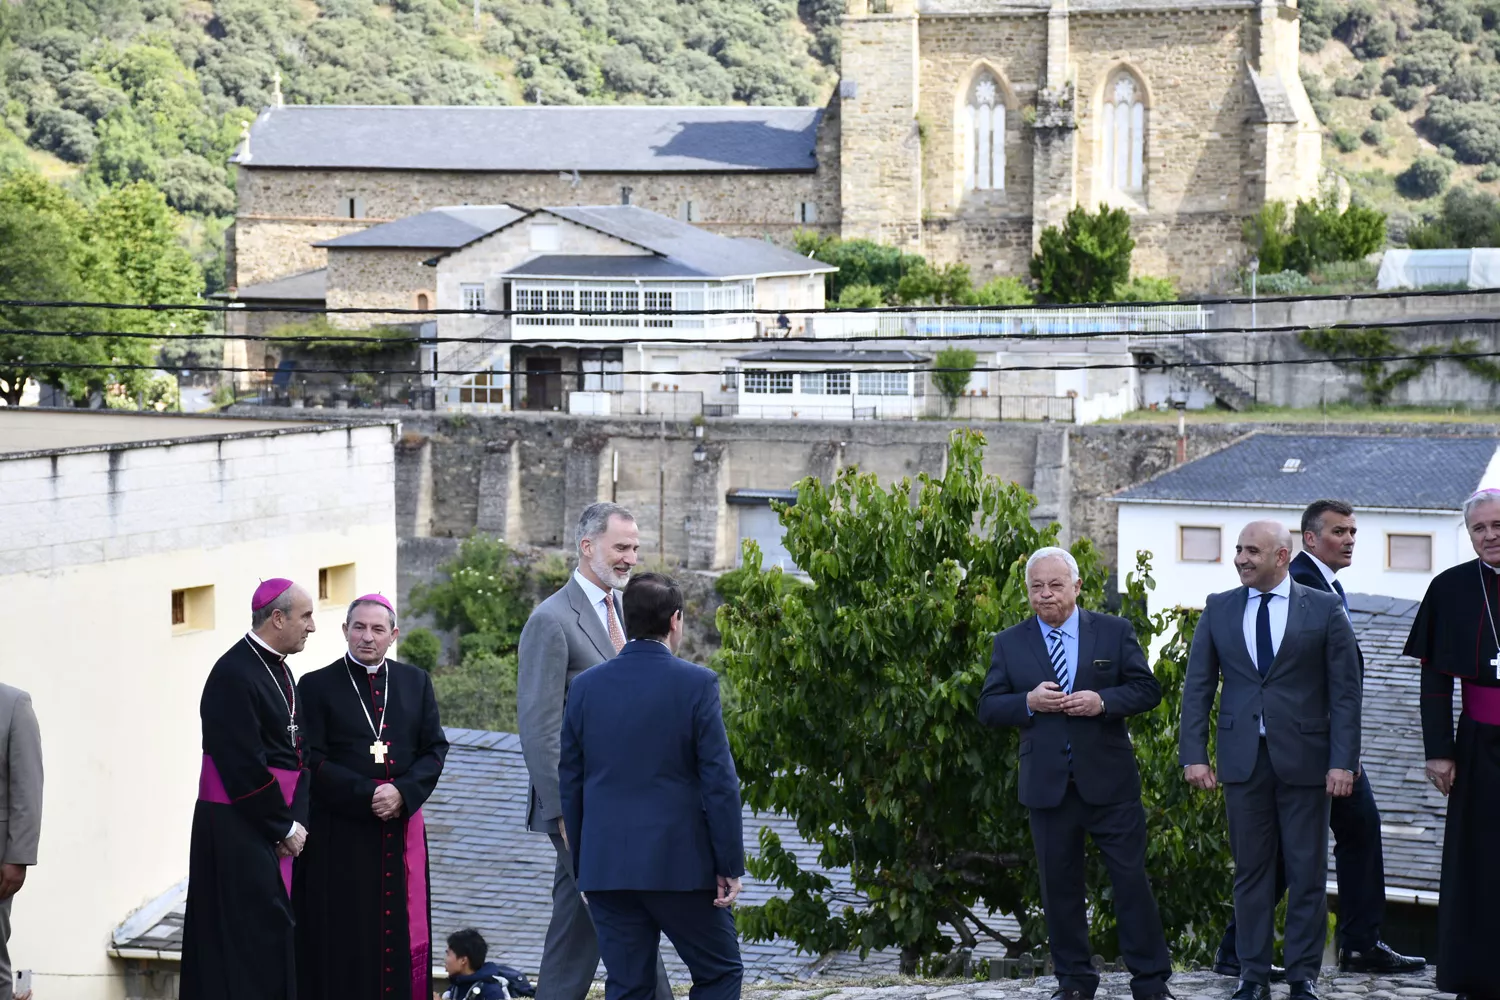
1231, 386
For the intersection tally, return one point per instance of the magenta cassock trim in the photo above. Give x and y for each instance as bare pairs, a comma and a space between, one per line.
211, 789
1482, 704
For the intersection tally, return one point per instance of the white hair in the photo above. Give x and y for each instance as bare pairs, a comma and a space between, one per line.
1053, 552
1482, 496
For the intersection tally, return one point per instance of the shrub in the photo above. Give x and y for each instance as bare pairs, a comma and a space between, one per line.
1425, 178
1361, 85
1321, 234
858, 297
67, 133
1347, 140
1087, 260
1283, 283
952, 369
1472, 82
1001, 291
1373, 135
421, 648
1428, 59
1268, 233
1143, 288
1455, 17
1472, 130
1382, 112
1489, 174
1379, 40
1406, 98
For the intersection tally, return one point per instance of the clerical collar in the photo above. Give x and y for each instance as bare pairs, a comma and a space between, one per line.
1492, 569
264, 645
1328, 574
372, 671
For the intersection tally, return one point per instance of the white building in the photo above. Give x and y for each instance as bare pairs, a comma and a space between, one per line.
1408, 495
590, 287
129, 547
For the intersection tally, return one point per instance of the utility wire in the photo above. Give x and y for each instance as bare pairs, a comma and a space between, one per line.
233, 306
359, 338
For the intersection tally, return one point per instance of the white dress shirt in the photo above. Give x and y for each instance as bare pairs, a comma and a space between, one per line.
597, 598
1328, 574
1281, 597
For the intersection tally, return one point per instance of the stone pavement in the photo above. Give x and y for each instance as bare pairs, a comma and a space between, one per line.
1198, 985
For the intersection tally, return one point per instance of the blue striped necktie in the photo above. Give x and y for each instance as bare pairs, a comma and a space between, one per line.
1060, 660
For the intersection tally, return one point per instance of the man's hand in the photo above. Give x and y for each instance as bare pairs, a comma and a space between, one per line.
12, 877
729, 891
562, 831
1340, 783
1201, 776
1083, 703
292, 846
387, 802
1441, 771
1046, 697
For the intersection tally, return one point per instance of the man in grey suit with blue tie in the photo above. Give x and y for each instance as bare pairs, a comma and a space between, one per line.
1068, 679
1288, 732
577, 628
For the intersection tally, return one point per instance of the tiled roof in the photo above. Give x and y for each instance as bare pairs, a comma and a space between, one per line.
619, 139
1411, 810
490, 873
308, 286
1414, 473
438, 229
793, 355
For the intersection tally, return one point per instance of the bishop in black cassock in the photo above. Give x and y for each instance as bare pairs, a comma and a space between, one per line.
237, 938
375, 749
1457, 635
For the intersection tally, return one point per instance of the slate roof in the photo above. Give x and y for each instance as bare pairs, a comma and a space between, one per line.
438, 229
621, 139
308, 286
793, 355
617, 265
488, 872
1411, 810
1412, 473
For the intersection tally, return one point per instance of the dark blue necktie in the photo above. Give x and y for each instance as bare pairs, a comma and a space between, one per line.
1264, 653
1338, 588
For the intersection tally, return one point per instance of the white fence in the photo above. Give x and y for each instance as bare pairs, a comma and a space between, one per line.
957, 324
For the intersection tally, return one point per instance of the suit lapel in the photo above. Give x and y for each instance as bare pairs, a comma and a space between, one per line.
1038, 647
1246, 657
1296, 617
1086, 639
588, 620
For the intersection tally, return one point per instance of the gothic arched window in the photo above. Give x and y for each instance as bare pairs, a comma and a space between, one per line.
1123, 124
984, 136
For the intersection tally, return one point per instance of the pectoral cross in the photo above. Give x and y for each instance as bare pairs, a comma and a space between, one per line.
292, 730
378, 750
1495, 662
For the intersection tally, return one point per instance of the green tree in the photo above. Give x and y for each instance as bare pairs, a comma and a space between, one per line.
1425, 178
925, 284
1269, 234
1144, 288
854, 714
1321, 234
1087, 260
952, 369
1001, 291
859, 262
421, 647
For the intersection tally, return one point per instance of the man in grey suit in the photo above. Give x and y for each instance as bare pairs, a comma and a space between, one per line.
1288, 740
20, 808
576, 628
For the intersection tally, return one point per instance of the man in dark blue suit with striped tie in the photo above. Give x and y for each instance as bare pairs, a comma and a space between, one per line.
1067, 679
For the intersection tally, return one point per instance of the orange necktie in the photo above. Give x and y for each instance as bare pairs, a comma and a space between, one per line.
616, 636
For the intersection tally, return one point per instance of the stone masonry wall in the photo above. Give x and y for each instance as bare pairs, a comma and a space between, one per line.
282, 211
377, 279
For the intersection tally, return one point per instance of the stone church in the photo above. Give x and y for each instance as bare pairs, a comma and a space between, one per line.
960, 130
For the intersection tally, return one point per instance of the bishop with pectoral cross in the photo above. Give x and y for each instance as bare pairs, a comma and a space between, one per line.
376, 748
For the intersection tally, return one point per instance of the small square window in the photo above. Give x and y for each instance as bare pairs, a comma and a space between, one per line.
807, 213
336, 585
625, 194
192, 609
472, 297
352, 207
546, 237
1199, 544
1409, 553
688, 211
729, 379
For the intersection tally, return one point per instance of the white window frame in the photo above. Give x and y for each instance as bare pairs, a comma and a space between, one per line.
982, 131
807, 213
471, 295
545, 237
1217, 529
1122, 138
1390, 563
884, 383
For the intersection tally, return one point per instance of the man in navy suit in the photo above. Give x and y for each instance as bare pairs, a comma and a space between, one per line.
1068, 679
1328, 532
651, 805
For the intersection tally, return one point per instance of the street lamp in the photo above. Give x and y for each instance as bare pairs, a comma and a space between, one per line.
700, 453
1254, 271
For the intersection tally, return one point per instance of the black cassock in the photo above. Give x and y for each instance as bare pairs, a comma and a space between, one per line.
364, 925
237, 938
1454, 636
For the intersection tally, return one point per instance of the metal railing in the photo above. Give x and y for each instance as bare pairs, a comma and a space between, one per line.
1061, 323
